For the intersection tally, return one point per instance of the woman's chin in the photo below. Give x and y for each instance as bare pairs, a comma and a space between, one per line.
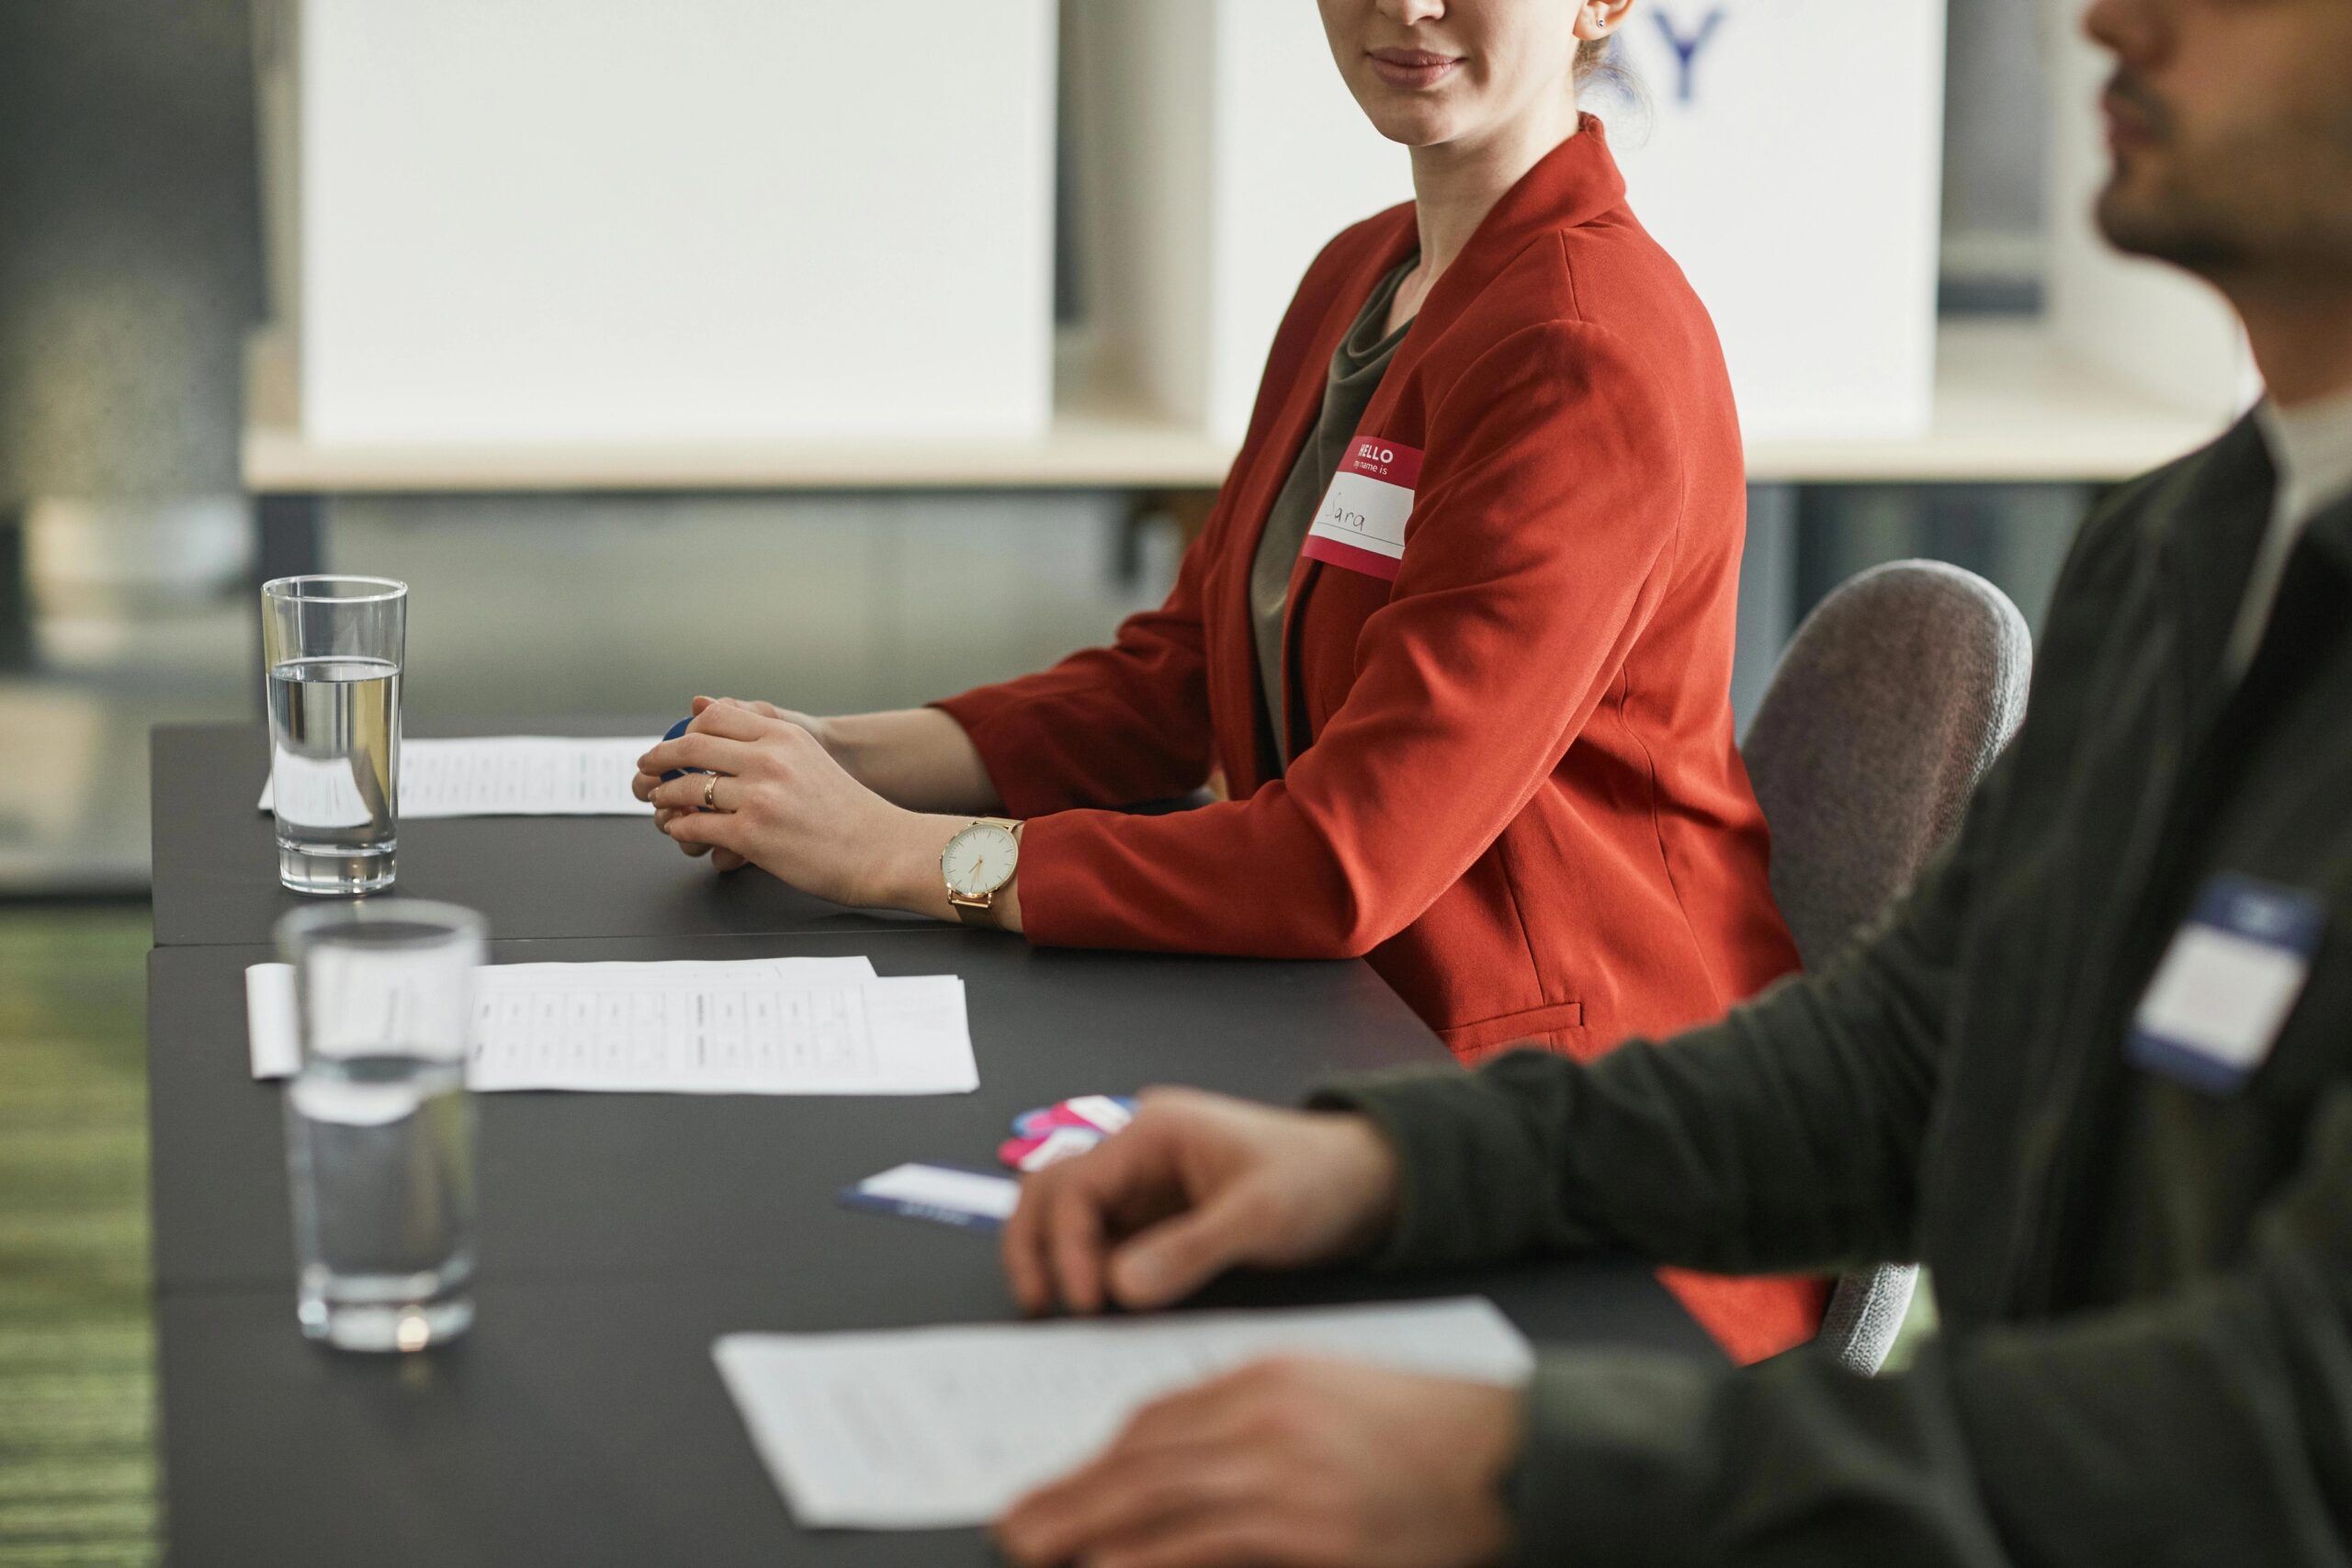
1414, 122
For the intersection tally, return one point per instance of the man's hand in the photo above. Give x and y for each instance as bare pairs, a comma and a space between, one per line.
1288, 1464
1196, 1184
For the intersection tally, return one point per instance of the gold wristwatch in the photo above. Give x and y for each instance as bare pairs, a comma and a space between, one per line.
978, 863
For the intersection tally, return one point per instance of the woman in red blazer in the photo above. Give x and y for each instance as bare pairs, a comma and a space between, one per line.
1503, 769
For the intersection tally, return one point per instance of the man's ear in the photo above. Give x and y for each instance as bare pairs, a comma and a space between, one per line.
1598, 19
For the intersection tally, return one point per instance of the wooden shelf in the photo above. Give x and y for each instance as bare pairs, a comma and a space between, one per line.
1095, 443
2007, 409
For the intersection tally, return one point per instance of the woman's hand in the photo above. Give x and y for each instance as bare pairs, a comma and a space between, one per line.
1196, 1184
765, 791
645, 783
918, 759
1288, 1464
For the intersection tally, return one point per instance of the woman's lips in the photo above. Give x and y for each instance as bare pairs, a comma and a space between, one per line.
1412, 67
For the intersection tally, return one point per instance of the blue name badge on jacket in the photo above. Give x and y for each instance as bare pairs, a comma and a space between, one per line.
2233, 974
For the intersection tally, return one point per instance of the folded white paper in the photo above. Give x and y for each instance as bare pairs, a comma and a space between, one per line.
764, 1026
932, 1428
502, 775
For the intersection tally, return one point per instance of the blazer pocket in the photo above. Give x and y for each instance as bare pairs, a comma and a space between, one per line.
1558, 1027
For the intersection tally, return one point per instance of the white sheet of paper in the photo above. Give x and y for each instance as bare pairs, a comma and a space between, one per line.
932, 1428
273, 1032
325, 793
761, 1026
273, 1023
501, 775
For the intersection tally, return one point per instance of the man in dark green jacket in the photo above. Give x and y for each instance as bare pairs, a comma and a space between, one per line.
2096, 1069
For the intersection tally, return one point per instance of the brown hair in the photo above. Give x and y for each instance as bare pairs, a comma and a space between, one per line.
1599, 61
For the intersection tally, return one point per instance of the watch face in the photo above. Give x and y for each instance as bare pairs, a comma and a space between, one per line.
980, 860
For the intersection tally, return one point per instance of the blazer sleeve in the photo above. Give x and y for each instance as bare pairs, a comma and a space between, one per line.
1543, 532
1109, 726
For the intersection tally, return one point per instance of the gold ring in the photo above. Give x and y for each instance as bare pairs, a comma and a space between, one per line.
711, 794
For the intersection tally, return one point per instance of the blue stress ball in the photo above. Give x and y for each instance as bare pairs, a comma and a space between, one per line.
675, 730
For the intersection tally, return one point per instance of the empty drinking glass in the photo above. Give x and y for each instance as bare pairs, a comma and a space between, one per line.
333, 647
379, 1132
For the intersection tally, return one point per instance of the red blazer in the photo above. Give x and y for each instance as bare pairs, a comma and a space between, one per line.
1515, 790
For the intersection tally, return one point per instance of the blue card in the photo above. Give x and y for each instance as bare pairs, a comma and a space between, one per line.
674, 731
2227, 984
969, 1199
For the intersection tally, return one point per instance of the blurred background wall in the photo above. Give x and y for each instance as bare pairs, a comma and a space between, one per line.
130, 274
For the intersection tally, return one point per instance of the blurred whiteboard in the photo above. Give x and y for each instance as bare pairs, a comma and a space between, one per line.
1787, 152
704, 220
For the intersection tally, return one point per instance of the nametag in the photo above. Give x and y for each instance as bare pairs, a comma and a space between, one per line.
1036, 1150
2233, 974
969, 1200
1360, 525
1101, 1114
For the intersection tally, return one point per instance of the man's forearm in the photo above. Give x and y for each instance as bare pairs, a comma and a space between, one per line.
2199, 1428
1784, 1138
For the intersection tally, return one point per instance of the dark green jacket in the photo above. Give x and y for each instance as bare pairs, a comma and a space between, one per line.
2147, 1289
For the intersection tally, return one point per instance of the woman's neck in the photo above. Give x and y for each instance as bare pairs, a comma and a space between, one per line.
1455, 186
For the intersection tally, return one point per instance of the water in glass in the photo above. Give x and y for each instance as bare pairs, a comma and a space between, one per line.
334, 772
382, 1153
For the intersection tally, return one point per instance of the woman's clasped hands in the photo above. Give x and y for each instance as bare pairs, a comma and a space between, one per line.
764, 789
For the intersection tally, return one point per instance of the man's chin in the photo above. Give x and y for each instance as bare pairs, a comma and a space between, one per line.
2140, 227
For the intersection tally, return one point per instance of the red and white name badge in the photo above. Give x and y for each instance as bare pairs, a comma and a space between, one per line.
1360, 525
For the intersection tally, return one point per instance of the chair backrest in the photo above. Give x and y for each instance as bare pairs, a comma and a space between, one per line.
1894, 698
1892, 701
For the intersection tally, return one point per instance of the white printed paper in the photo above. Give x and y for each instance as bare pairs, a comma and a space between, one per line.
933, 1428
765, 1026
505, 775
322, 792
273, 1019
273, 1029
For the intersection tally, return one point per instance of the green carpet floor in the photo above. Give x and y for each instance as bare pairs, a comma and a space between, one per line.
77, 1454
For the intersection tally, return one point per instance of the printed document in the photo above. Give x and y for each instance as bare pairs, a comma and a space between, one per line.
761, 1026
503, 775
932, 1428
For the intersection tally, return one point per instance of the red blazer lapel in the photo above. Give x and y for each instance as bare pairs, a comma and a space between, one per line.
1574, 184
1256, 480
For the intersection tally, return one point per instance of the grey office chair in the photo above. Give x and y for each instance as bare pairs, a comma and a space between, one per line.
1892, 701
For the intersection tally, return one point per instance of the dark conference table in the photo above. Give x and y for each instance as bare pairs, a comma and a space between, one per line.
534, 876
582, 1422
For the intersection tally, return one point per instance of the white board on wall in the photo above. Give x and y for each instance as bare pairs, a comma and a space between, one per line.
604, 219
1791, 159
1789, 153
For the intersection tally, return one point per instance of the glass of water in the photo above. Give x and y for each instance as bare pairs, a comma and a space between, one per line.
333, 647
379, 1132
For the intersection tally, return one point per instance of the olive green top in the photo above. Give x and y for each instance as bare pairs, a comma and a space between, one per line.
1357, 366
2145, 1288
